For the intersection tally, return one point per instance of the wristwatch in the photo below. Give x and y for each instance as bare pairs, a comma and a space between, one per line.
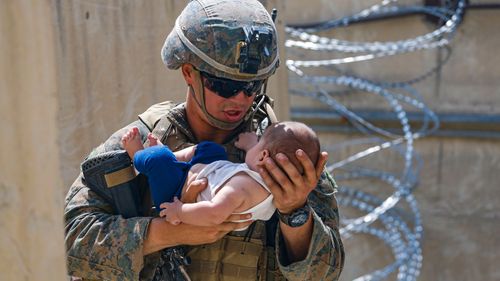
296, 218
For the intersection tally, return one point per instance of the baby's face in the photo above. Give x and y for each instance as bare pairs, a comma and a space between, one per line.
255, 155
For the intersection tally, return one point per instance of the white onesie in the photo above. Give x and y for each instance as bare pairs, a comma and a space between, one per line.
219, 172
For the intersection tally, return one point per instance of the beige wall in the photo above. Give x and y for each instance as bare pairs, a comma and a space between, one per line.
459, 204
31, 228
72, 73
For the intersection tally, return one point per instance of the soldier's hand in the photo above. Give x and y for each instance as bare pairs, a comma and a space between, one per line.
162, 234
193, 189
290, 188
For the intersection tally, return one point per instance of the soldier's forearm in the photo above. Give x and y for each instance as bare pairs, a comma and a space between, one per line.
297, 240
101, 245
325, 257
159, 236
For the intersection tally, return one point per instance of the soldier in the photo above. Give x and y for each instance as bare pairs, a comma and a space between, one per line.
226, 51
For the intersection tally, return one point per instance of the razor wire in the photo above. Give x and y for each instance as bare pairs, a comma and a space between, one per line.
399, 228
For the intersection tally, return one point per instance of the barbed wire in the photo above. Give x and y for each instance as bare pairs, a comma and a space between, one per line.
401, 230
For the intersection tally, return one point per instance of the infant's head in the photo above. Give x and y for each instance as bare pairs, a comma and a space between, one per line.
287, 137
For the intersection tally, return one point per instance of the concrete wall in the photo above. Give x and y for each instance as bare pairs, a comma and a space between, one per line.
31, 228
458, 200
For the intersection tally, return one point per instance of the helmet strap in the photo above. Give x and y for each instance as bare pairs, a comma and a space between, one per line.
263, 103
198, 92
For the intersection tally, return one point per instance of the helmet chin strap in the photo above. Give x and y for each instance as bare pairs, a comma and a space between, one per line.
200, 100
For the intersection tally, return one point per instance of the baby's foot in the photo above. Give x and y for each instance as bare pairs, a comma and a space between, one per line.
131, 142
152, 140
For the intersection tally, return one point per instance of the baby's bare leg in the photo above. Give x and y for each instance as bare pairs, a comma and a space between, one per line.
132, 142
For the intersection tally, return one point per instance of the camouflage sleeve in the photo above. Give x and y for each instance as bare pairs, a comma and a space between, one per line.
325, 259
101, 245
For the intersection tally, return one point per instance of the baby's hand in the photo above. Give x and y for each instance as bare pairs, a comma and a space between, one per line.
246, 140
171, 211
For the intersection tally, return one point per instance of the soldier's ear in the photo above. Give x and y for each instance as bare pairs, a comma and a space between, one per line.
187, 71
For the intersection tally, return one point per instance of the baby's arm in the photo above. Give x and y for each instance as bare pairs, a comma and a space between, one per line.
185, 154
246, 141
206, 213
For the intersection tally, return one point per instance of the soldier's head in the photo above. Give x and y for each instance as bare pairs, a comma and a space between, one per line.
285, 137
229, 48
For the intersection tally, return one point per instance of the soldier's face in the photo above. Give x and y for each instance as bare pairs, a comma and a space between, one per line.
231, 109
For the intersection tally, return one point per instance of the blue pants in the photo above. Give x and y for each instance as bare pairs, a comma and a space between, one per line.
166, 175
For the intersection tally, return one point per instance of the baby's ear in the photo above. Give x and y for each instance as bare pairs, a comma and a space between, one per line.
264, 154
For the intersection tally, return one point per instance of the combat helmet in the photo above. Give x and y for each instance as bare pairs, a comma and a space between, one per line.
231, 39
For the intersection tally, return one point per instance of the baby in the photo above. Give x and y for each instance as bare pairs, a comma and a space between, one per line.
233, 188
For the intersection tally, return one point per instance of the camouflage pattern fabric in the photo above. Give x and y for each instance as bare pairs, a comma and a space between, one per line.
215, 28
104, 246
325, 259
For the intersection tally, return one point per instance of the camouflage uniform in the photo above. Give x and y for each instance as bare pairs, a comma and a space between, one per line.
105, 246
232, 39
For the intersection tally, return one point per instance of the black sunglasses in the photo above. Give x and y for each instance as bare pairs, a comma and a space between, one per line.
227, 88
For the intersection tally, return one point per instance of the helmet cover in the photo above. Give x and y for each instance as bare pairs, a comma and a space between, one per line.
232, 39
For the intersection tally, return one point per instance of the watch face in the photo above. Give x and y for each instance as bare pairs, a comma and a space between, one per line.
298, 219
